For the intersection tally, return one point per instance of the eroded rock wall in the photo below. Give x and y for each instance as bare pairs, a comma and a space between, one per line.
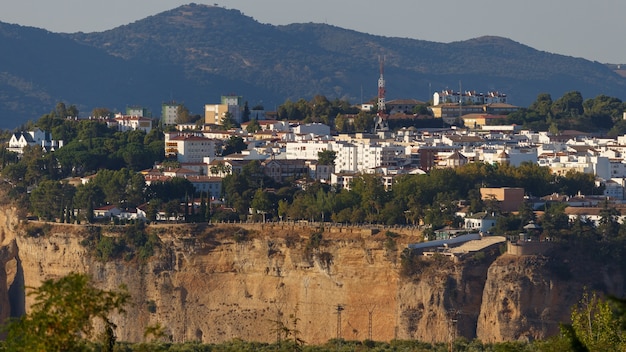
210, 284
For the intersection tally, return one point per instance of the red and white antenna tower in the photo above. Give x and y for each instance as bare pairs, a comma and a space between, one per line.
381, 87
381, 116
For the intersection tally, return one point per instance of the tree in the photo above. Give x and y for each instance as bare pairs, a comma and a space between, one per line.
326, 157
261, 202
228, 121
182, 114
60, 111
172, 189
122, 188
172, 209
253, 126
245, 116
87, 195
542, 105
341, 124
576, 182
363, 122
72, 111
50, 199
554, 220
103, 113
234, 144
569, 105
63, 314
608, 226
372, 195
594, 326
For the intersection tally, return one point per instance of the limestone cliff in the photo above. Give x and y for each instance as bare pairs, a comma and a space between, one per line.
525, 298
216, 283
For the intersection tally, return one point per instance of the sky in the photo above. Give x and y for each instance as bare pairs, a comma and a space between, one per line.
593, 30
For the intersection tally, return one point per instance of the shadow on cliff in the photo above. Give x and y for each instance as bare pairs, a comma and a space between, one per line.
17, 292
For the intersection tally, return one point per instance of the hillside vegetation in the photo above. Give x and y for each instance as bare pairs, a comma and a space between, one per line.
195, 53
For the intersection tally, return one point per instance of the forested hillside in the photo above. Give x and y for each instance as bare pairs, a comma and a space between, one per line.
195, 53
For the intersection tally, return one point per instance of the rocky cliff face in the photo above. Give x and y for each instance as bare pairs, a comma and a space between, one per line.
216, 283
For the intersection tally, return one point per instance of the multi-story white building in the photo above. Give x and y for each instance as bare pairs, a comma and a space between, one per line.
354, 156
468, 97
189, 147
561, 164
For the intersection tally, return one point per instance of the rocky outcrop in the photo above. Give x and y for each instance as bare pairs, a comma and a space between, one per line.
527, 297
216, 283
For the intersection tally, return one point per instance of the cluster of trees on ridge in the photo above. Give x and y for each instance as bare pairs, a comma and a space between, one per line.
571, 111
63, 315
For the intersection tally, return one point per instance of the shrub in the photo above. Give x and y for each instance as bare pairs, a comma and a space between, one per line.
151, 306
240, 236
37, 230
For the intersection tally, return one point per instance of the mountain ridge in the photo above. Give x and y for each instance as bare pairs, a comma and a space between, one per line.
195, 53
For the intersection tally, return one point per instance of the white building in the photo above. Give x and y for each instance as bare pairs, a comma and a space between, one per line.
318, 129
450, 96
480, 222
125, 123
189, 147
19, 140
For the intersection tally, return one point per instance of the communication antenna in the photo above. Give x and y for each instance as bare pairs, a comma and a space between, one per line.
381, 116
460, 102
381, 87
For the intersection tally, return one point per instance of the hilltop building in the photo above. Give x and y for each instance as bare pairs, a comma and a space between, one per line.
215, 113
125, 123
169, 112
19, 140
137, 111
189, 147
468, 98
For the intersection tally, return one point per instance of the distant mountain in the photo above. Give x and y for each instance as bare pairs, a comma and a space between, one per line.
196, 53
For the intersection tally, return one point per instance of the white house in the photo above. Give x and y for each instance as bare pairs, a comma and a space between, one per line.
107, 211
19, 140
131, 123
481, 222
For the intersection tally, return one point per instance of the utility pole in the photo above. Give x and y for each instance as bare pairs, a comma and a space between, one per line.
339, 309
452, 320
370, 313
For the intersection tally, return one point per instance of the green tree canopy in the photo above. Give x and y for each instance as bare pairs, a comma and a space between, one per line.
63, 314
570, 104
253, 126
326, 157
234, 144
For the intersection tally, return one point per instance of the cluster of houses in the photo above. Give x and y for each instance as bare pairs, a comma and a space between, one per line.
289, 150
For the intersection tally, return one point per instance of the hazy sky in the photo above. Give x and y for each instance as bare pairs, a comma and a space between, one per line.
582, 28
